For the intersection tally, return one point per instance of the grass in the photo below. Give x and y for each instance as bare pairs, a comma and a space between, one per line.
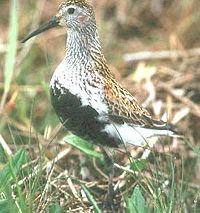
44, 168
10, 56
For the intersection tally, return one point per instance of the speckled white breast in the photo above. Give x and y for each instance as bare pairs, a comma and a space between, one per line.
80, 83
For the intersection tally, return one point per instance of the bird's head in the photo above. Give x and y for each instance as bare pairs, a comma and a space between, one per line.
75, 15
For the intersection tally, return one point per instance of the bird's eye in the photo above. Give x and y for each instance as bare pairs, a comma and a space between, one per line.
71, 11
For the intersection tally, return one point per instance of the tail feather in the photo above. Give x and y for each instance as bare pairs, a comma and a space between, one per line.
159, 124
136, 135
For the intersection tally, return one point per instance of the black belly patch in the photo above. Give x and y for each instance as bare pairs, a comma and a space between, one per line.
80, 120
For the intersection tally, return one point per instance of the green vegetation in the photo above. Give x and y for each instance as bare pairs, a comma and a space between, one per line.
43, 168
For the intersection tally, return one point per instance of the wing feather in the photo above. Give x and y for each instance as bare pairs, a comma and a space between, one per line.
124, 108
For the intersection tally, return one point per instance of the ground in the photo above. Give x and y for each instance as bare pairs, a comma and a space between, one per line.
153, 49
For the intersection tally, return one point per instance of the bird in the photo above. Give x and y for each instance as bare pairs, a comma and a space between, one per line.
86, 97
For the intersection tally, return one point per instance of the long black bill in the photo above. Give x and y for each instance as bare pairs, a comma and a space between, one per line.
52, 23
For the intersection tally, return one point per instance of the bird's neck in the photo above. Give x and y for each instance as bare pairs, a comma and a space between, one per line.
84, 46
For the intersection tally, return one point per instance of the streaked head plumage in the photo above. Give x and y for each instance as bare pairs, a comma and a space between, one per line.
72, 14
79, 3
75, 13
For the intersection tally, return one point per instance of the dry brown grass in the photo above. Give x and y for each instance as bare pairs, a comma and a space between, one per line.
168, 86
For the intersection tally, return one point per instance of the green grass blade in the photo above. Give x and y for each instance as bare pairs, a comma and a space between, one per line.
196, 151
138, 164
4, 206
8, 205
91, 199
17, 161
56, 209
12, 47
12, 168
172, 190
137, 202
82, 145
